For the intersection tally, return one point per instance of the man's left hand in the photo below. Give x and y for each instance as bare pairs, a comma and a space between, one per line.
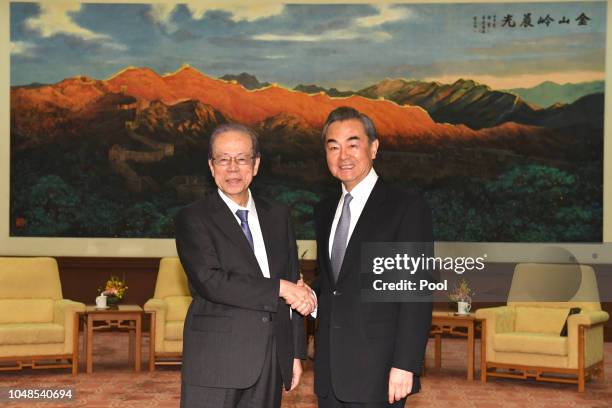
297, 373
400, 384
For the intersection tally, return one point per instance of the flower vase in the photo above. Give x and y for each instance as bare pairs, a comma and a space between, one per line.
113, 302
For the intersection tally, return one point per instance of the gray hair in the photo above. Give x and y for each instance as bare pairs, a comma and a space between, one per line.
345, 113
233, 127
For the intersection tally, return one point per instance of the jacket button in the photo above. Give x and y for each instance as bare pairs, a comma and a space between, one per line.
264, 319
337, 293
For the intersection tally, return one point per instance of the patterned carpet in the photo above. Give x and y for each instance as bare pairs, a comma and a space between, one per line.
113, 384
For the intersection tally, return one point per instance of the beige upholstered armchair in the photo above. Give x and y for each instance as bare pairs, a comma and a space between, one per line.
38, 328
523, 339
168, 309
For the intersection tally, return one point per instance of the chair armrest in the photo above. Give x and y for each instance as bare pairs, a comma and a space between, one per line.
156, 305
64, 309
588, 318
499, 319
159, 306
592, 346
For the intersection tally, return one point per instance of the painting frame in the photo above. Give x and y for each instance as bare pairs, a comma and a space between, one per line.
139, 247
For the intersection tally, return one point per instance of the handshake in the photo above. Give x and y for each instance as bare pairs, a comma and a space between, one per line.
299, 296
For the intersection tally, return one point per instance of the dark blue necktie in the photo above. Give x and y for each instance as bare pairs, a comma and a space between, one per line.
244, 224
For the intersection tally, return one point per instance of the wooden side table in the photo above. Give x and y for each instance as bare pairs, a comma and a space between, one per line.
447, 323
125, 317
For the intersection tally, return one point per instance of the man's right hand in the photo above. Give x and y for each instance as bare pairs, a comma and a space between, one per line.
300, 297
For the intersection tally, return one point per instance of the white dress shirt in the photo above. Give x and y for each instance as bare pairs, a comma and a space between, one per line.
258, 242
361, 192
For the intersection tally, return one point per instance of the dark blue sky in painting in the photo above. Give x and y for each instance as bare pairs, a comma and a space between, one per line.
344, 46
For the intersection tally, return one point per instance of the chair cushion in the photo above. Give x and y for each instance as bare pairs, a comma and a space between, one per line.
26, 311
31, 333
177, 307
174, 330
533, 319
534, 343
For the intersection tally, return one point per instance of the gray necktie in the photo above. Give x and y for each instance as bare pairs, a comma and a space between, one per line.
340, 237
244, 224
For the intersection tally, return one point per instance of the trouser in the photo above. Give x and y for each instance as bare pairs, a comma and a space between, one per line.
330, 401
265, 393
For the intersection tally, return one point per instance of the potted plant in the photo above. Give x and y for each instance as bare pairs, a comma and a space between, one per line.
114, 290
462, 295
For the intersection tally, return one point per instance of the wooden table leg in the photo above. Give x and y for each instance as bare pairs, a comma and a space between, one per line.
89, 345
438, 351
85, 326
75, 343
483, 351
131, 335
470, 353
152, 342
138, 342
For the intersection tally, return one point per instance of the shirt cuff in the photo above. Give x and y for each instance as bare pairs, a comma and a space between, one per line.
314, 312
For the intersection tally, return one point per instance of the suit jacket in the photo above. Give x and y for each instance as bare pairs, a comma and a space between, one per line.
235, 308
357, 342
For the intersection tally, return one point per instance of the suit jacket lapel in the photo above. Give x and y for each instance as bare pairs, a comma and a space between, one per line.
223, 217
328, 214
365, 224
266, 223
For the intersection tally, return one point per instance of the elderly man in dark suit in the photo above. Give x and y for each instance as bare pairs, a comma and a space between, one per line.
242, 341
368, 355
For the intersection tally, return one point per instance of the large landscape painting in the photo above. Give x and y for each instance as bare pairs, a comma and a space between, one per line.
494, 111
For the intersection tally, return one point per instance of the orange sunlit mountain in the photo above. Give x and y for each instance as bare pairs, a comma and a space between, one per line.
253, 107
395, 123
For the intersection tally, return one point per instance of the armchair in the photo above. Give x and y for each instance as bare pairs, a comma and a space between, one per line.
168, 309
38, 328
523, 339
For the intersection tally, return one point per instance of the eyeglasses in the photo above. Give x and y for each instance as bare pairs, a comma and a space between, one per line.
225, 161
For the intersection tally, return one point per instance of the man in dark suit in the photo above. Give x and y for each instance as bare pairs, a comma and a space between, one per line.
241, 341
368, 355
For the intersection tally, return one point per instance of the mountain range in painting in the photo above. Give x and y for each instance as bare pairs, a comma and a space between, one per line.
120, 156
549, 93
